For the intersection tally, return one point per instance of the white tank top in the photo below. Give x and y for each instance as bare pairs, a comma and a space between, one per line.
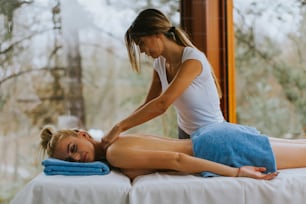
199, 105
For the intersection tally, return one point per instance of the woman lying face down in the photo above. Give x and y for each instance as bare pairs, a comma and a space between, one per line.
137, 154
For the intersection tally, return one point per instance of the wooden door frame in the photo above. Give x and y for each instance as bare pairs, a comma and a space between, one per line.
210, 26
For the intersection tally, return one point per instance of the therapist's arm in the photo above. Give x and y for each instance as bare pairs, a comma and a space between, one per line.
188, 71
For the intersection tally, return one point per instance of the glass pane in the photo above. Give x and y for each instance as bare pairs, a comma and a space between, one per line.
270, 66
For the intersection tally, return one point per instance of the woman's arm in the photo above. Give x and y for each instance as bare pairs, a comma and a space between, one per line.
154, 91
188, 71
164, 160
155, 88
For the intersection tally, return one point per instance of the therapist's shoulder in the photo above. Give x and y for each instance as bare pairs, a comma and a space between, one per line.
193, 53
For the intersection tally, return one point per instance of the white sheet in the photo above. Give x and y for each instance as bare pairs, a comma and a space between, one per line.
111, 188
288, 188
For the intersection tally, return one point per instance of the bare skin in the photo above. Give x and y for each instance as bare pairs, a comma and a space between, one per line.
142, 154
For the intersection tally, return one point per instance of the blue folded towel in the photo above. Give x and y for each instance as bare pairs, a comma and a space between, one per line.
233, 145
54, 166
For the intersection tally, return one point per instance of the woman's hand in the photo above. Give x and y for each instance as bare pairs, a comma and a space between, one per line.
255, 172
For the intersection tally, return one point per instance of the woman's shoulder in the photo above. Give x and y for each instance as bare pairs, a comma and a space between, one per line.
193, 53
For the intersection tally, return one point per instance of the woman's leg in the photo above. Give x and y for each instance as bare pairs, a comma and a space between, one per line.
289, 154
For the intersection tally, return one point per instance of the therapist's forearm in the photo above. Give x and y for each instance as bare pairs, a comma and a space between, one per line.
142, 115
111, 136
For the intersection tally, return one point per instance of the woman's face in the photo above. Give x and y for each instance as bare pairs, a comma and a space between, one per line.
150, 45
75, 149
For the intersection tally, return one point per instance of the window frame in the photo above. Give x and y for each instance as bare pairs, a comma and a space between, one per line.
209, 23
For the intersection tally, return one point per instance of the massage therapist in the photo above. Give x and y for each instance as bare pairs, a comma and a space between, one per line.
182, 77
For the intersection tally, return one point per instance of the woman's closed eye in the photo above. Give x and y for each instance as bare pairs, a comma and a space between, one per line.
73, 148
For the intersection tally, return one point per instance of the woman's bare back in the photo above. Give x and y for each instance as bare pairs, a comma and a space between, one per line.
149, 142
129, 152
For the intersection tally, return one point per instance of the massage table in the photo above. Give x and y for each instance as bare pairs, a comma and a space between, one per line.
161, 188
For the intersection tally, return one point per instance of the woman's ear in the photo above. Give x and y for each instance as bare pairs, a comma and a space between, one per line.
85, 135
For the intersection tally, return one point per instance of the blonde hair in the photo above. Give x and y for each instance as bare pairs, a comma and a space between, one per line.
49, 138
151, 22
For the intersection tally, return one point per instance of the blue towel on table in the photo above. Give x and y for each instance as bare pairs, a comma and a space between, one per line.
233, 145
54, 166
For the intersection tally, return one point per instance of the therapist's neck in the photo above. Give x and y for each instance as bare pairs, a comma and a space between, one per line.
173, 53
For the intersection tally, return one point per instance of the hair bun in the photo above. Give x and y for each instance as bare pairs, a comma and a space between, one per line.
45, 136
